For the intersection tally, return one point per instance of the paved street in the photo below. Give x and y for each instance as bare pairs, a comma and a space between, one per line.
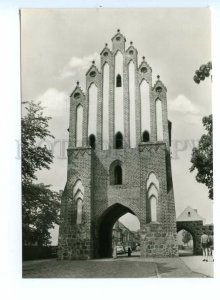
122, 267
196, 264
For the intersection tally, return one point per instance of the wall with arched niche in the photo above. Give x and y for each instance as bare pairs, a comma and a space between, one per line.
78, 194
152, 194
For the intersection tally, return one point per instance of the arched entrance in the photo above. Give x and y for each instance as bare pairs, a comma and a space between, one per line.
106, 223
194, 239
195, 229
185, 243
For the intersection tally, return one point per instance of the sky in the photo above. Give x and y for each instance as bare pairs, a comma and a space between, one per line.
58, 46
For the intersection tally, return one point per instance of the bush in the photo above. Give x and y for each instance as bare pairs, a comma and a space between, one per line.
39, 252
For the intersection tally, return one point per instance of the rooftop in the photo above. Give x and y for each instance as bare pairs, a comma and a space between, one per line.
190, 214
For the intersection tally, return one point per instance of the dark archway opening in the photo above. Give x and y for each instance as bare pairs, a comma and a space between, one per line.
145, 136
118, 140
92, 141
106, 232
118, 81
186, 243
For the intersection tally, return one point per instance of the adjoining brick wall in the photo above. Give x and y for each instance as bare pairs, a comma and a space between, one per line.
195, 228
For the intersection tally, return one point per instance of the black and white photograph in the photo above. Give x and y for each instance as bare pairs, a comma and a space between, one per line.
116, 143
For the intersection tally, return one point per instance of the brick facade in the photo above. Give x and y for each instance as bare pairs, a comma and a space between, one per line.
104, 202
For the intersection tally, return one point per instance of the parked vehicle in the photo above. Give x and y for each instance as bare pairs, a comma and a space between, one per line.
120, 250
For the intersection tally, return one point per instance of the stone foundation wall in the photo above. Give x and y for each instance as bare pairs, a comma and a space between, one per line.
155, 242
75, 245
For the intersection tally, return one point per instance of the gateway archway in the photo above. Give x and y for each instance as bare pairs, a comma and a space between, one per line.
186, 242
195, 229
106, 223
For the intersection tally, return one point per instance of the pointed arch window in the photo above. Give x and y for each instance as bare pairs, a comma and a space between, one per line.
152, 196
118, 175
79, 125
159, 120
119, 140
92, 141
78, 192
118, 81
153, 208
145, 136
79, 211
115, 172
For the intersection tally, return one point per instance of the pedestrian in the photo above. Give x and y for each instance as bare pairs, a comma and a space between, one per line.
129, 251
114, 252
204, 243
211, 245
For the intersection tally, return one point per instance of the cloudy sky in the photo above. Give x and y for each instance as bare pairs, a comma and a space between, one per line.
59, 45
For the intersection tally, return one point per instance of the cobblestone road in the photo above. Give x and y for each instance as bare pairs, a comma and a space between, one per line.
122, 267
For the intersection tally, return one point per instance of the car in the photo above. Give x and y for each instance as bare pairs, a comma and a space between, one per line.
120, 250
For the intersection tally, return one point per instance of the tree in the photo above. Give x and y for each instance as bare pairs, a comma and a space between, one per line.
40, 205
34, 131
203, 72
202, 157
40, 210
186, 237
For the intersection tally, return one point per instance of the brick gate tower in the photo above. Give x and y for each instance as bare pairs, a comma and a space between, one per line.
118, 159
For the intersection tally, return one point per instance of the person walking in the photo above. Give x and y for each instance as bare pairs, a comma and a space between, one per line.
129, 251
211, 245
204, 243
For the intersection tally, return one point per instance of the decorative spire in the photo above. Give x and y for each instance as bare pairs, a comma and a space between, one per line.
106, 45
158, 77
118, 30
131, 42
77, 82
143, 57
93, 62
